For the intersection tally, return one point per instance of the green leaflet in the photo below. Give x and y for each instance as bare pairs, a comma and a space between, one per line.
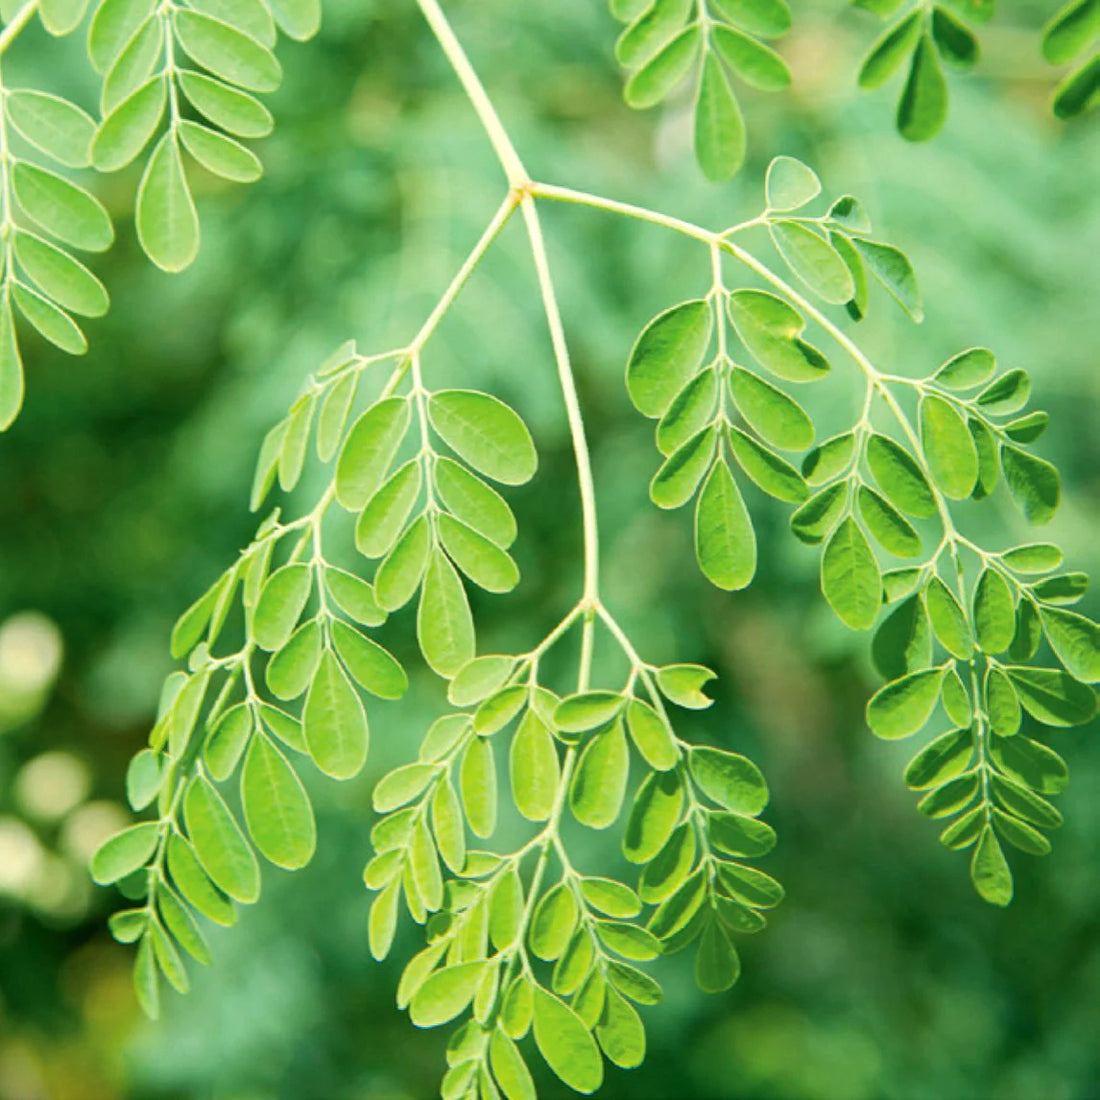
371, 666
970, 368
653, 816
282, 600
1075, 641
692, 409
731, 780
668, 353
892, 268
1035, 485
752, 61
565, 1043
1054, 698
889, 52
948, 448
922, 109
725, 543
772, 414
599, 783
989, 870
789, 184
369, 450
276, 806
444, 625
900, 477
902, 707
399, 575
664, 71
651, 736
903, 641
942, 759
534, 768
891, 530
814, 260
486, 433
485, 563
445, 994
948, 619
676, 481
218, 842
291, 669
553, 921
124, 853
475, 503
719, 126
994, 612
850, 576
776, 476
334, 722
771, 329
167, 223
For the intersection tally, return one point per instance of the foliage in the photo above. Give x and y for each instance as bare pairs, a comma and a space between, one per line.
493, 918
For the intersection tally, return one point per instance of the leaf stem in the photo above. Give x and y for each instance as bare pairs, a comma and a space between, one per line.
18, 22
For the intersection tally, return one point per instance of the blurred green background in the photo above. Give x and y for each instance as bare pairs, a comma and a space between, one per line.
123, 493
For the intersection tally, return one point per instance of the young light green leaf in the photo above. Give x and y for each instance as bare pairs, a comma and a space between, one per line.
922, 109
485, 432
125, 852
534, 768
850, 576
219, 154
64, 210
61, 278
227, 52
776, 476
479, 786
565, 1043
478, 505
651, 736
891, 530
233, 110
446, 994
53, 125
887, 54
731, 780
334, 722
1075, 641
167, 223
725, 543
900, 708
369, 450
219, 843
719, 127
789, 184
399, 575
444, 625
989, 870
968, 369
599, 783
994, 612
276, 807
813, 260
660, 75
282, 600
752, 61
371, 666
1035, 484
668, 352
128, 128
479, 558
770, 329
948, 448
291, 669
899, 477
771, 413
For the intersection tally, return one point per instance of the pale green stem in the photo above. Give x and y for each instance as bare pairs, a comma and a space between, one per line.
18, 21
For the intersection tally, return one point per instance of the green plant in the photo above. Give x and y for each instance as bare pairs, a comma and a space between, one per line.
277, 650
